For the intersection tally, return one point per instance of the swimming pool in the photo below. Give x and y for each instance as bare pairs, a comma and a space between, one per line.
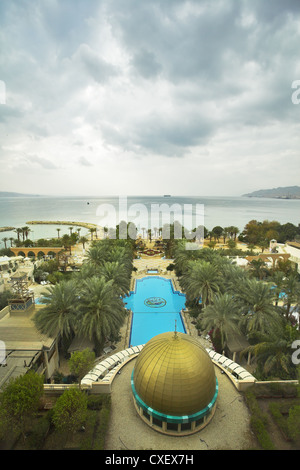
155, 306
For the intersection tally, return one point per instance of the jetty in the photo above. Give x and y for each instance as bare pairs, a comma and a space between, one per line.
87, 225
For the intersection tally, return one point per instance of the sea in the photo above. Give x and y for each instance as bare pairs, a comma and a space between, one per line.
145, 211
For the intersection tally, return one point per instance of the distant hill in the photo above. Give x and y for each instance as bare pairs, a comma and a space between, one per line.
10, 194
288, 192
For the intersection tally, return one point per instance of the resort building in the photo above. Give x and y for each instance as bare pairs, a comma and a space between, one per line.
293, 249
9, 265
22, 346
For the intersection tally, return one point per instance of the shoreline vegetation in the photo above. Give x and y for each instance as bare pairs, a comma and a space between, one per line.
6, 229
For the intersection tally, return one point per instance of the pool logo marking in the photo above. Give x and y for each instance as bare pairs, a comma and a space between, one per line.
155, 302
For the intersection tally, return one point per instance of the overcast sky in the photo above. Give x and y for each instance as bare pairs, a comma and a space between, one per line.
133, 97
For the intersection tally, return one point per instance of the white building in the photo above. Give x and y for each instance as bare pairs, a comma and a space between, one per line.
293, 248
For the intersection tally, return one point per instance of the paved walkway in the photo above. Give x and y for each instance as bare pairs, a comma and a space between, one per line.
228, 430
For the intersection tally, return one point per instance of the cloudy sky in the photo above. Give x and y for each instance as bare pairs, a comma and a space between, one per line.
129, 97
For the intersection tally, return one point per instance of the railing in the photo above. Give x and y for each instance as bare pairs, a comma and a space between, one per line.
239, 376
105, 367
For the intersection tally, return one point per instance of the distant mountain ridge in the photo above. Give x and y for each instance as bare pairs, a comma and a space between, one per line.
12, 194
287, 192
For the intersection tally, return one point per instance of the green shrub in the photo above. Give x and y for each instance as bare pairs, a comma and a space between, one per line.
258, 421
96, 402
294, 422
38, 433
102, 429
91, 422
261, 433
285, 390
275, 411
171, 267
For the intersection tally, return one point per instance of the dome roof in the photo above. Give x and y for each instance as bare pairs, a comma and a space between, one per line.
174, 375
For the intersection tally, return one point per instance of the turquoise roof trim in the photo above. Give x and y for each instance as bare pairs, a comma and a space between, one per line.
174, 419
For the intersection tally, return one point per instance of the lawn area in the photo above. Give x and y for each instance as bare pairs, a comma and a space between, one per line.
44, 436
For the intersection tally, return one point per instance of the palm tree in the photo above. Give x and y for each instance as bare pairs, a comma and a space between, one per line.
291, 289
58, 230
234, 231
97, 254
278, 278
233, 277
5, 240
102, 312
273, 351
18, 232
201, 281
59, 314
258, 268
67, 242
11, 241
255, 300
225, 234
117, 272
122, 254
92, 231
25, 232
87, 271
263, 244
222, 315
83, 240
183, 256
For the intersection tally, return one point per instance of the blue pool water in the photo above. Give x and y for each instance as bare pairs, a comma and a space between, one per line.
281, 295
155, 306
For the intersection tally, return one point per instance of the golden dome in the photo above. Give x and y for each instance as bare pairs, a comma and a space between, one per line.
174, 375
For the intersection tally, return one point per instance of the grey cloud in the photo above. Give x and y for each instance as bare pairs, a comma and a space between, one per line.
99, 69
8, 112
43, 162
146, 64
173, 136
149, 78
158, 134
276, 10
84, 161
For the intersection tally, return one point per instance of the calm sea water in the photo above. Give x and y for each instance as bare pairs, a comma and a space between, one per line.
105, 211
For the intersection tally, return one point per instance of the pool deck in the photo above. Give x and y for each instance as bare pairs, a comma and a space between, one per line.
228, 430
